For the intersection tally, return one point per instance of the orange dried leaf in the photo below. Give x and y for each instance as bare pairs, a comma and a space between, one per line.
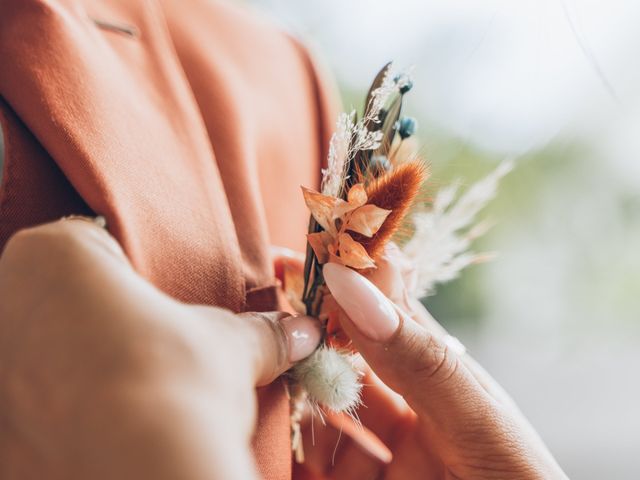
335, 259
353, 254
367, 219
293, 284
333, 254
357, 195
321, 207
320, 242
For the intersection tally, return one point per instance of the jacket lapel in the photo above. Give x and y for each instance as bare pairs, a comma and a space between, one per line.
103, 92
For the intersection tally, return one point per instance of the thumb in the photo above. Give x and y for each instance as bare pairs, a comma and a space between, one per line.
406, 356
277, 340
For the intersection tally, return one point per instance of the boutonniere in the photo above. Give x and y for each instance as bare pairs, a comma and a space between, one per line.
373, 181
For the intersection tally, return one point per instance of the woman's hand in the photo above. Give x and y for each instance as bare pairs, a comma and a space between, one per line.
452, 419
104, 376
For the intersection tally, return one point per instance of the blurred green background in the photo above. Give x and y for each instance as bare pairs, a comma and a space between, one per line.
555, 84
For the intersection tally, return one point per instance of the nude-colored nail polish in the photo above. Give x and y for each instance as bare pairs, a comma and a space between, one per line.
303, 336
369, 310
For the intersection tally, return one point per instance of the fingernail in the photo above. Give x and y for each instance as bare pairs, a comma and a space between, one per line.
303, 336
369, 310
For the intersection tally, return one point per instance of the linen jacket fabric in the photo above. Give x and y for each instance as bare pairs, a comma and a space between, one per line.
189, 125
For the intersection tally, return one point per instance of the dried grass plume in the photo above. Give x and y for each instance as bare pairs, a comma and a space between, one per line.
397, 191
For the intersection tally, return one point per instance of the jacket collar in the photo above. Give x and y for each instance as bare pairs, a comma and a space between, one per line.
103, 92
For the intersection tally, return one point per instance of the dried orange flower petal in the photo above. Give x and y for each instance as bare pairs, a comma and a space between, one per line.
367, 220
335, 259
320, 242
356, 197
293, 285
353, 254
322, 208
333, 254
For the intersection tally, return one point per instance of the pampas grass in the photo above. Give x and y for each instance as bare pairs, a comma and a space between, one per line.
439, 245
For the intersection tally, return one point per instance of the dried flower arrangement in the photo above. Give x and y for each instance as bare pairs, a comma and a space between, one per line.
372, 181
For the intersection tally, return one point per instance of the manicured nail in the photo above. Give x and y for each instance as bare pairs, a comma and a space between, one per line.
369, 310
303, 336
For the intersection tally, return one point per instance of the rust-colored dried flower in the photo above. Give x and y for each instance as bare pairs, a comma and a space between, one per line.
396, 190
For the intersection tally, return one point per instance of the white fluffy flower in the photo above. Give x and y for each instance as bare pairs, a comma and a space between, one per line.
330, 379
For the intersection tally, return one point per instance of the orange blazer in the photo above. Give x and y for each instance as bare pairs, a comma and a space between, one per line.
188, 124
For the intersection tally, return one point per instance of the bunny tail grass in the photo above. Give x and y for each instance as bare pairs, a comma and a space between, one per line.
330, 379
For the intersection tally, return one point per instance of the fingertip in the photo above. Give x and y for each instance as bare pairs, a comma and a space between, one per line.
370, 311
329, 272
303, 334
336, 277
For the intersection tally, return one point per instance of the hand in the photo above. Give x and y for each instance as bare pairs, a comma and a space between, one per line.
452, 419
103, 376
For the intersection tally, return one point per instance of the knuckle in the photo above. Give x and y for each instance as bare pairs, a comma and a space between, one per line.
26, 250
31, 242
20, 243
279, 346
60, 241
195, 347
433, 360
266, 343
